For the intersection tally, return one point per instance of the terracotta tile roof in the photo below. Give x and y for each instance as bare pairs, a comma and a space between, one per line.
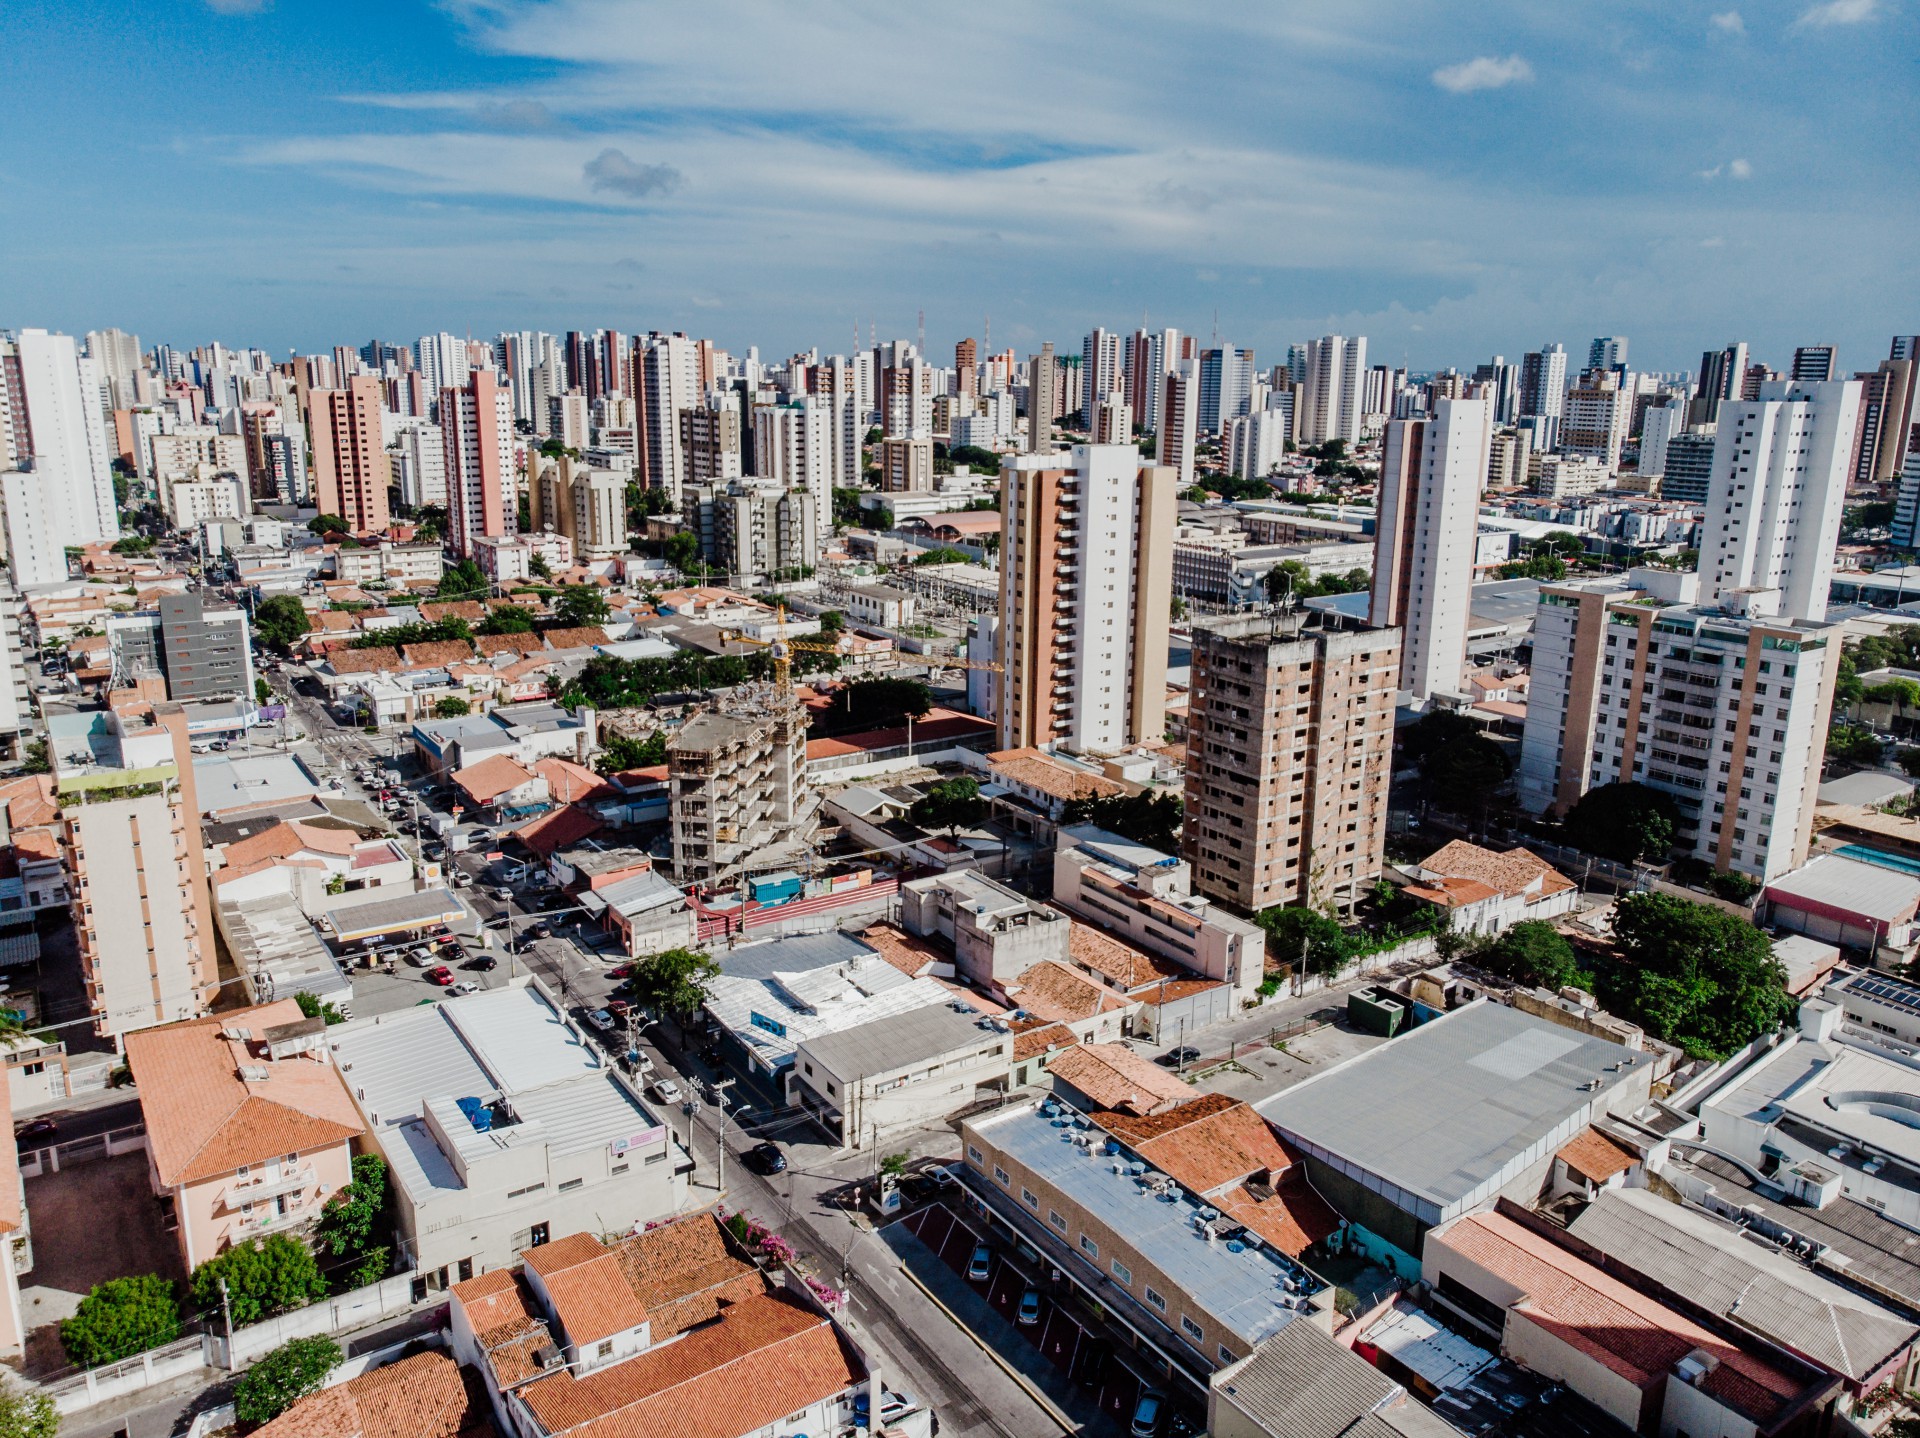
1214, 1145
1595, 1157
1113, 1076
29, 801
426, 1396
203, 1119
764, 1358
1052, 778
491, 644
1055, 992
1628, 1332
471, 610
563, 1253
290, 837
437, 655
684, 1273
1454, 893
500, 1312
588, 1288
583, 636
557, 828
363, 661
571, 783
491, 777
1126, 966
1511, 873
1036, 1040
908, 953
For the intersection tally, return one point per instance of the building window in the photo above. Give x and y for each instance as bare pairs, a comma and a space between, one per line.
1226, 1354
1155, 1299
1030, 1198
1089, 1247
571, 1184
1122, 1272
605, 1350
973, 1155
620, 1168
1054, 1218
1001, 1176
1191, 1329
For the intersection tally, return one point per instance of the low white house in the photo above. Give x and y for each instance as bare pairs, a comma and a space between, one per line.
900, 1072
1485, 892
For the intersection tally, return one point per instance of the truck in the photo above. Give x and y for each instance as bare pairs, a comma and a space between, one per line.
440, 825
459, 840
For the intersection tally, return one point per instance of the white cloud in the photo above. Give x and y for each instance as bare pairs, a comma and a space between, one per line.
1713, 242
1730, 21
612, 170
1740, 169
1839, 12
238, 7
1712, 174
1487, 72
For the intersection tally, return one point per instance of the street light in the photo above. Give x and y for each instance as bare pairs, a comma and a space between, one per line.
719, 1091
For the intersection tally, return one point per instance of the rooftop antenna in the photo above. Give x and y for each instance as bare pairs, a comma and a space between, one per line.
1216, 327
921, 339
987, 321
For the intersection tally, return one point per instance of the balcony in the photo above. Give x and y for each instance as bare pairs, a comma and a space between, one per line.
271, 1220
260, 1188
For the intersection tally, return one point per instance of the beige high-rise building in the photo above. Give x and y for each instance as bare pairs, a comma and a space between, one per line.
350, 466
906, 466
587, 505
1042, 400
1113, 420
136, 869
709, 445
1289, 745
1180, 419
1086, 595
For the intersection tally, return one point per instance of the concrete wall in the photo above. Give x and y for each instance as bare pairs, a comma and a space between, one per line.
1534, 1346
1698, 1415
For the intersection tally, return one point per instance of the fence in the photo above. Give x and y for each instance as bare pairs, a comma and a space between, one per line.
129, 1375
57, 1156
330, 1315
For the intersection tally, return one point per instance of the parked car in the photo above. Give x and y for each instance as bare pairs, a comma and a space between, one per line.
418, 958
465, 986
441, 976
1028, 1313
944, 1177
642, 1061
503, 893
538, 931
482, 963
1146, 1415
602, 1020
665, 1090
980, 1266
918, 1188
1185, 1054
498, 921
766, 1158
620, 971
619, 1008
36, 1130
893, 1406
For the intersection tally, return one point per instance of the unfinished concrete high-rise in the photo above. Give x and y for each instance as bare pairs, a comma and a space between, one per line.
1289, 745
737, 785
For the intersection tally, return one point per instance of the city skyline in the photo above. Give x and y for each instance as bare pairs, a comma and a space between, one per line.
1447, 185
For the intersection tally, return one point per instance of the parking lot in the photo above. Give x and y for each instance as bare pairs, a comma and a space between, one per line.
1073, 1348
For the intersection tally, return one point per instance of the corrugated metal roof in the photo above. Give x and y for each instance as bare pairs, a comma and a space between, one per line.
1869, 890
898, 1041
1301, 1383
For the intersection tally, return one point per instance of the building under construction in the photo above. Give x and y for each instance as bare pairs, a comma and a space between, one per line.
737, 779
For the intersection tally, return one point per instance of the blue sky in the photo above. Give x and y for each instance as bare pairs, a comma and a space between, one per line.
1451, 180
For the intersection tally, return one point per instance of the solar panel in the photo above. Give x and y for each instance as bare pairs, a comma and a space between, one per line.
1888, 991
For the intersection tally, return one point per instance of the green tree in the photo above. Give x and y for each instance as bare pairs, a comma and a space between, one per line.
581, 604
1853, 744
832, 621
620, 752
1626, 822
1693, 975
24, 1414
974, 457
283, 1377
1462, 775
941, 554
451, 708
874, 704
262, 1277
314, 1007
262, 691
1305, 938
281, 622
951, 804
507, 619
354, 1218
1148, 817
682, 551
35, 759
675, 981
1908, 758
119, 1318
429, 522
538, 567
465, 580
1533, 952
327, 524
134, 544
1900, 693
1548, 567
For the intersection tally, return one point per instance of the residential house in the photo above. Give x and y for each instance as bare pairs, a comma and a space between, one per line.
422, 1395
1484, 892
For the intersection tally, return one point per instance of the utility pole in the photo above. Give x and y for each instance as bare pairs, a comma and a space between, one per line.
226, 1305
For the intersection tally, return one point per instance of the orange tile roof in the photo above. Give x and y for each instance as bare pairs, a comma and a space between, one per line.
1114, 1077
1040, 771
1125, 965
571, 783
554, 830
436, 655
1454, 893
763, 1359
203, 1119
490, 644
1055, 992
581, 636
364, 661
471, 610
500, 1312
1509, 873
1631, 1334
1033, 1041
1595, 1157
684, 1273
908, 953
587, 1287
290, 837
29, 801
425, 1396
491, 777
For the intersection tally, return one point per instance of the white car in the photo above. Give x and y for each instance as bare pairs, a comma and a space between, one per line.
665, 1090
644, 1063
602, 1019
465, 986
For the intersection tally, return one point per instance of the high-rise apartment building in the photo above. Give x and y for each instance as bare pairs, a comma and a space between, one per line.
966, 372
1722, 373
1596, 416
1815, 364
755, 531
906, 465
136, 870
420, 465
1100, 371
1886, 417
1112, 421
1687, 471
442, 362
1723, 708
710, 444
1505, 381
53, 422
1226, 387
1178, 429
1431, 472
1042, 398
1148, 355
806, 445
586, 504
1334, 396
1658, 425
1255, 443
350, 466
666, 382
1086, 579
1289, 744
1608, 352
737, 783
1774, 502
477, 442
121, 366
1543, 391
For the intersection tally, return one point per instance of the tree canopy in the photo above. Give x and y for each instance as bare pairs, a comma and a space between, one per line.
263, 1276
283, 1377
437, 631
507, 619
1626, 822
1854, 744
327, 524
119, 1318
874, 704
620, 752
465, 580
941, 554
675, 981
1533, 952
355, 1224
1693, 975
450, 708
951, 804
26, 1414
581, 604
281, 622
1305, 938
974, 457
607, 682
1146, 818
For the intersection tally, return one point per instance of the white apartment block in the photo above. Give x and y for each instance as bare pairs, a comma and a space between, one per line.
52, 416
1566, 476
1723, 708
1257, 442
1780, 465
191, 502
442, 361
1659, 424
1179, 420
1430, 476
1335, 389
420, 465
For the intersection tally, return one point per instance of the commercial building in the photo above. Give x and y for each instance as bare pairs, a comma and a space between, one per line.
1085, 599
1855, 898
1449, 1116
1774, 502
1431, 472
249, 1125
1146, 897
1289, 740
200, 652
869, 1081
502, 1127
350, 466
1301, 1381
1724, 709
477, 451
738, 783
130, 841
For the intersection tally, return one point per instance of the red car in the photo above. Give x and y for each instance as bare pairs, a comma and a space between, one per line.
620, 971
441, 976
619, 1008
